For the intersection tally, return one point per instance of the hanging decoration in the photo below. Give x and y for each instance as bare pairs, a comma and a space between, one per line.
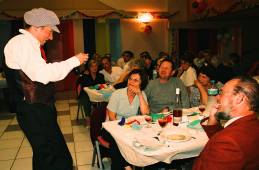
145, 18
205, 8
83, 15
199, 6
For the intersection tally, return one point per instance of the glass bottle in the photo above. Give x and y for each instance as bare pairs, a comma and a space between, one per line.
177, 112
213, 90
212, 93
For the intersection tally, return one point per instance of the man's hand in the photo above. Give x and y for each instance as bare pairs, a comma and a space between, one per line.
212, 119
82, 57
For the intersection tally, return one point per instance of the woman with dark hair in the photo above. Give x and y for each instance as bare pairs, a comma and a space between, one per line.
90, 78
198, 92
133, 64
127, 101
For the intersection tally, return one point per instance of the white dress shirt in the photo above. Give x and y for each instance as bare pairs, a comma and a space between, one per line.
22, 52
189, 76
114, 76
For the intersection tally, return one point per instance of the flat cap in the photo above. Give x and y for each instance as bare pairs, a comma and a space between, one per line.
42, 17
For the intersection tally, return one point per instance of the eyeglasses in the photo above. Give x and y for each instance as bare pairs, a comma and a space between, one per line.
134, 80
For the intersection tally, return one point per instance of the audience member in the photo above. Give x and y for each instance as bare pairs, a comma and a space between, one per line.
198, 92
161, 91
225, 71
124, 59
111, 73
126, 102
236, 145
186, 72
133, 64
90, 78
149, 64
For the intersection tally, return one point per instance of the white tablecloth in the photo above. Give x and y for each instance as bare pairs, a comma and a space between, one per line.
99, 95
125, 137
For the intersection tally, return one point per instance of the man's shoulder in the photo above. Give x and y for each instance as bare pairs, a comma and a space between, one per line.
174, 80
116, 69
18, 38
153, 82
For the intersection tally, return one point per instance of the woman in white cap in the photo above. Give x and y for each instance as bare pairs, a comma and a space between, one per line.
30, 78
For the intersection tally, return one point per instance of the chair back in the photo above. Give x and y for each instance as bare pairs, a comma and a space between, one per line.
97, 117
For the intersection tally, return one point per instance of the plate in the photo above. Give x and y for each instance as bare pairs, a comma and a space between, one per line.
178, 137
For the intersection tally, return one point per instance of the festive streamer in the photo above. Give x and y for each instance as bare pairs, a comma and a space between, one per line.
203, 11
79, 14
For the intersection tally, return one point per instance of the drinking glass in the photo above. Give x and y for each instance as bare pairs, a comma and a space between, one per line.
202, 109
162, 122
148, 119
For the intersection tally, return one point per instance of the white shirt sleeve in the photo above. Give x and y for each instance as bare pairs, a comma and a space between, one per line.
22, 53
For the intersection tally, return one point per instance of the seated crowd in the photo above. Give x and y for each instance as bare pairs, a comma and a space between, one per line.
143, 87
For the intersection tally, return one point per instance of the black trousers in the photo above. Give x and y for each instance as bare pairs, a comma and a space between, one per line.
117, 160
39, 124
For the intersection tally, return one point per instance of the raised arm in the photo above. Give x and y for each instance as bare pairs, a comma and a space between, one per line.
203, 93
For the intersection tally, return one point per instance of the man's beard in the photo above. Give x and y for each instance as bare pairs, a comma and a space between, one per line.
223, 116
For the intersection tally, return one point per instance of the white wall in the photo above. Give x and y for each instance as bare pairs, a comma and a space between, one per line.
134, 39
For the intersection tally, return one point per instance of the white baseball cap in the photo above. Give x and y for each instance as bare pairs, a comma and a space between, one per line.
42, 17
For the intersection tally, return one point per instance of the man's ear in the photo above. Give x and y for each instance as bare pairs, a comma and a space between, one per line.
239, 98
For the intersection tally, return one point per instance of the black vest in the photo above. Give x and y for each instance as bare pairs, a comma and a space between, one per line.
22, 88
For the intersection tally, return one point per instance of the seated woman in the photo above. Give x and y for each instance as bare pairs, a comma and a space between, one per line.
133, 64
126, 102
198, 92
90, 78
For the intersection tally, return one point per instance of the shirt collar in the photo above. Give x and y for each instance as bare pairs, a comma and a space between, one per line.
232, 120
29, 35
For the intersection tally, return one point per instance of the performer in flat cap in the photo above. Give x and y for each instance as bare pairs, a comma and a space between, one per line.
31, 78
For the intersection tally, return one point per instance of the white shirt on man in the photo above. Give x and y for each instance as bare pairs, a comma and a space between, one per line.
114, 76
188, 77
22, 52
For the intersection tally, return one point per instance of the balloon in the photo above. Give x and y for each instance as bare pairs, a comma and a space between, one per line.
203, 6
148, 29
195, 5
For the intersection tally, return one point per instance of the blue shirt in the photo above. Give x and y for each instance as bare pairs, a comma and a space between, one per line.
119, 103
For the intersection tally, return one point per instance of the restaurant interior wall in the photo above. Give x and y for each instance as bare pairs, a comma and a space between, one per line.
136, 40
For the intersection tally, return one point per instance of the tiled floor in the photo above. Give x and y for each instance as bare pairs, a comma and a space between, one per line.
16, 153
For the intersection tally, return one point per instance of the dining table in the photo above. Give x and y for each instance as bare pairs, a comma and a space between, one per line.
142, 143
99, 93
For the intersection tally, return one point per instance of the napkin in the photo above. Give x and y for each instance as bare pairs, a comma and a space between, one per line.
148, 142
195, 124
